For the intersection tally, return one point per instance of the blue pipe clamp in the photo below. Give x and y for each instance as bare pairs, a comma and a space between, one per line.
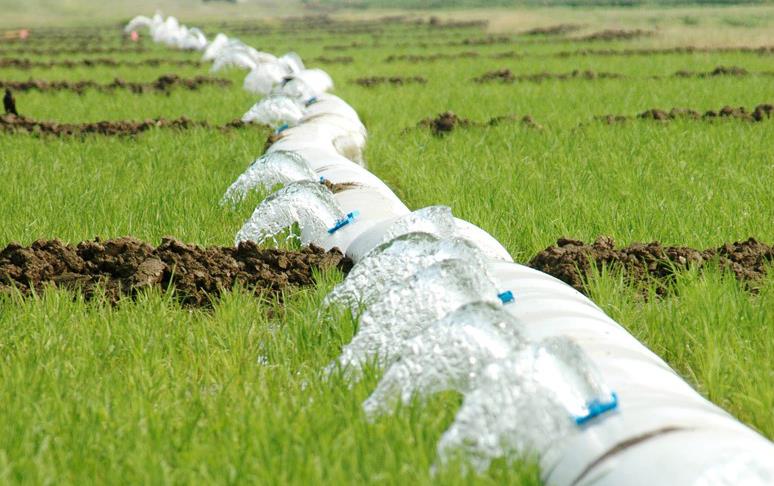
597, 407
349, 218
506, 297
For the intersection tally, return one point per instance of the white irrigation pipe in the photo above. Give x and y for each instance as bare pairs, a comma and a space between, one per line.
663, 432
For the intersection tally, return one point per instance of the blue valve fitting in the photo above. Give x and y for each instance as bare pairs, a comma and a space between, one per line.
281, 128
349, 218
597, 407
506, 297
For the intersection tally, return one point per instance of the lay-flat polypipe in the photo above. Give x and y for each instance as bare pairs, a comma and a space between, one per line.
664, 432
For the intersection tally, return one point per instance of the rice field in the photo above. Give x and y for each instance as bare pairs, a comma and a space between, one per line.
152, 391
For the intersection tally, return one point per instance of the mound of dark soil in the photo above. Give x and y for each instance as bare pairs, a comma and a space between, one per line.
438, 56
456, 24
759, 113
559, 29
718, 71
482, 41
445, 123
334, 60
163, 83
449, 121
764, 50
24, 63
616, 34
343, 47
507, 55
21, 124
571, 260
371, 81
123, 266
506, 76
59, 51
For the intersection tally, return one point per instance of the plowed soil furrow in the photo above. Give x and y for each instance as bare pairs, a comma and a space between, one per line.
506, 76
162, 83
616, 34
760, 113
22, 125
61, 51
439, 56
764, 50
448, 121
371, 81
334, 60
652, 263
25, 63
122, 267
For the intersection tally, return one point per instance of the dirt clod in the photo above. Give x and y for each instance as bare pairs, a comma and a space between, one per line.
571, 260
448, 121
122, 266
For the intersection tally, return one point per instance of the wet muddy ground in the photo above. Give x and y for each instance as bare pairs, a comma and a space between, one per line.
163, 83
20, 124
121, 267
572, 260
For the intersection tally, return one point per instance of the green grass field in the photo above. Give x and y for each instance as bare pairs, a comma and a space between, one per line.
151, 392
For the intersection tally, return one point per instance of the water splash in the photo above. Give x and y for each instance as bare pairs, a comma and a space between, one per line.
524, 404
264, 77
292, 62
394, 261
435, 220
309, 204
404, 310
438, 221
274, 111
449, 355
280, 167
